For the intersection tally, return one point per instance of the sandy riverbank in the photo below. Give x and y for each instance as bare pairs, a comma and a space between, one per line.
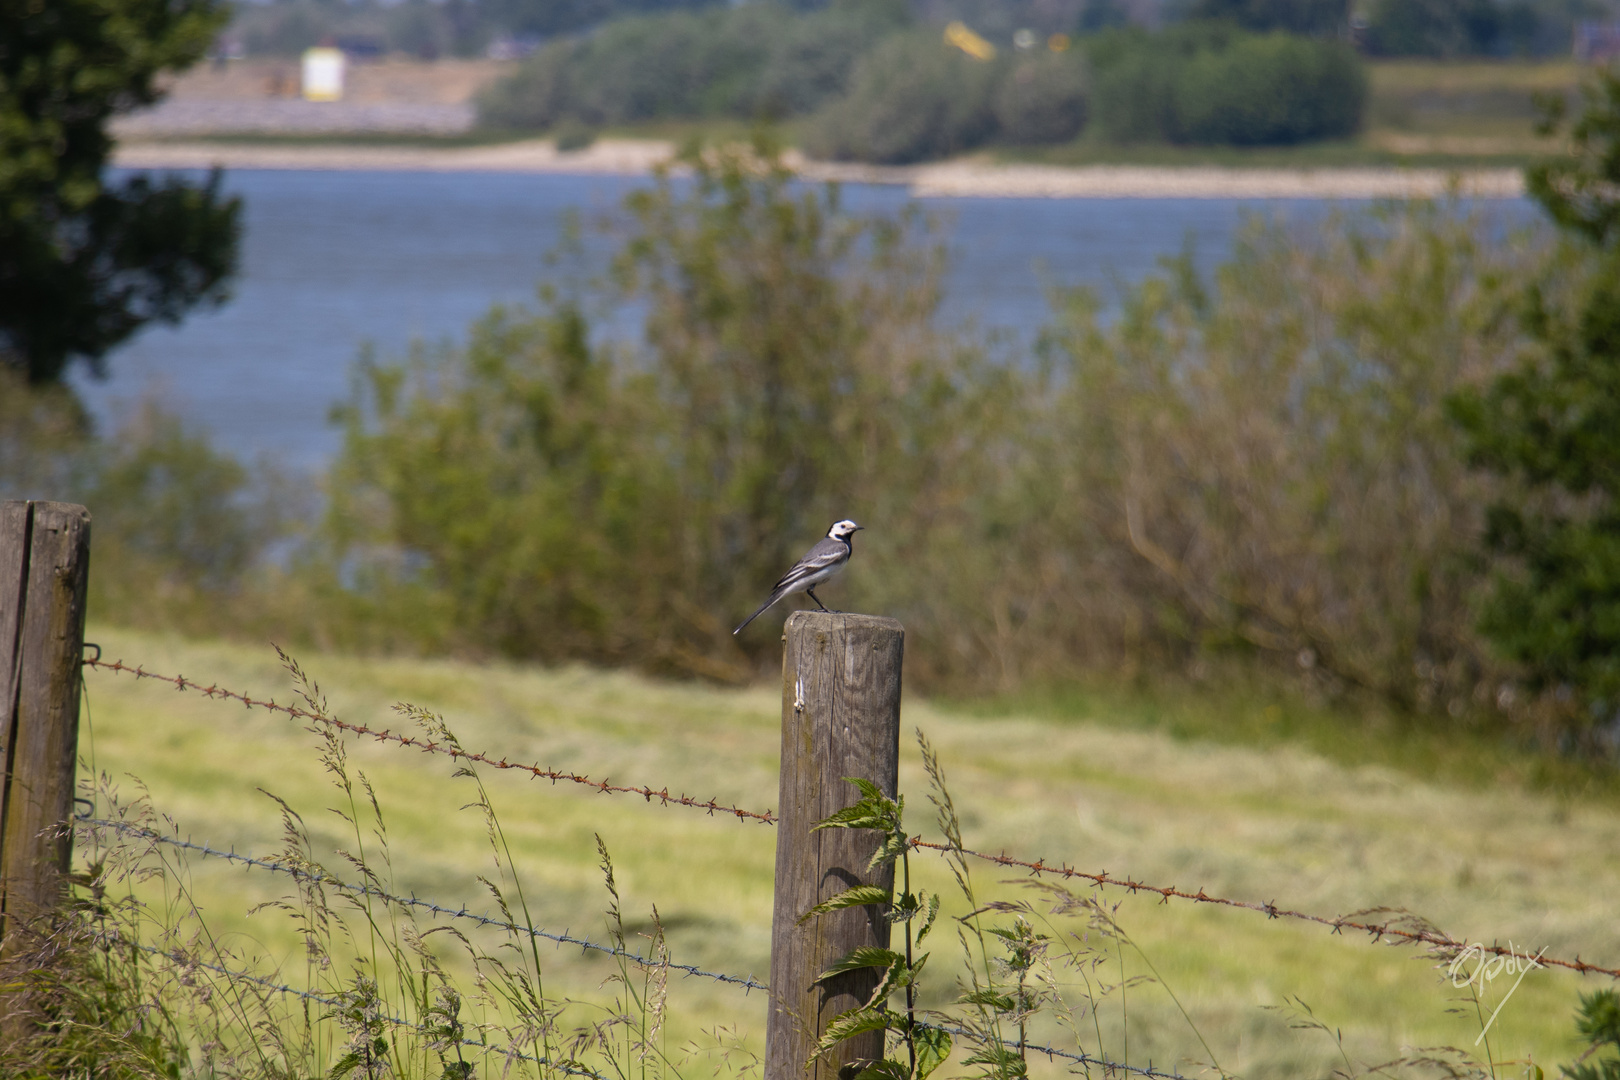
966, 178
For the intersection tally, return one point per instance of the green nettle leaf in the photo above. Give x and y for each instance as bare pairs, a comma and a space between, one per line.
892, 847
868, 790
859, 816
933, 1046
885, 1070
874, 811
867, 956
989, 999
886, 986
849, 1024
856, 896
928, 923
1002, 1058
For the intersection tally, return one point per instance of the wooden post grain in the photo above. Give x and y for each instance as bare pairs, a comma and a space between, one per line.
44, 568
840, 718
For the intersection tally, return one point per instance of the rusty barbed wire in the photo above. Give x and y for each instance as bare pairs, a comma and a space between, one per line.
430, 746
747, 982
1338, 923
181, 958
570, 1068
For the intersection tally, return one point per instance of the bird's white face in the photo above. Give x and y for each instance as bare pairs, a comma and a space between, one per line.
843, 530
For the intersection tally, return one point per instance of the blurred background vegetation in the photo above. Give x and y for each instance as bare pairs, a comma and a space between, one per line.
1368, 462
1286, 471
876, 80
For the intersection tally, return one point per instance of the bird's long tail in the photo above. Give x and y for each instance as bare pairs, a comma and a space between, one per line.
774, 597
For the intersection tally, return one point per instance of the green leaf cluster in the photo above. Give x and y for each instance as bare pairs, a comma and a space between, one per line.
1550, 427
744, 62
926, 1047
543, 493
1598, 1023
1211, 83
85, 263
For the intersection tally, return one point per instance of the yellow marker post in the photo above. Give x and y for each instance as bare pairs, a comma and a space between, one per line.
958, 34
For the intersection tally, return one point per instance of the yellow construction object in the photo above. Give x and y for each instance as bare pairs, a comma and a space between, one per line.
958, 34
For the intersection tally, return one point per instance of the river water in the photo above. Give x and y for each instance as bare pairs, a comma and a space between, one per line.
336, 262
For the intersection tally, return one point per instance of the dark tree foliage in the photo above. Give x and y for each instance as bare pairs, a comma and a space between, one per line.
1211, 83
752, 61
1553, 425
545, 18
85, 263
1598, 1023
1322, 18
1444, 28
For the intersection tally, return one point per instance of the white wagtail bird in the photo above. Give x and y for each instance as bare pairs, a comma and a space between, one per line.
819, 563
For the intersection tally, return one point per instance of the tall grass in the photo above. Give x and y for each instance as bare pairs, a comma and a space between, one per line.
140, 980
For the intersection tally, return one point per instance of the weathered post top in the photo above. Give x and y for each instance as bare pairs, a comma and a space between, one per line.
840, 718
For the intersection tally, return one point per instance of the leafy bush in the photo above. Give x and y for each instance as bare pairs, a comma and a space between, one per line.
1444, 28
1260, 470
1551, 427
911, 98
749, 61
1598, 1024
1213, 84
1269, 90
180, 529
548, 497
1268, 468
1042, 100
1328, 18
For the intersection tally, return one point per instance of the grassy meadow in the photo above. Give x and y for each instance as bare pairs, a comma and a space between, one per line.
1098, 782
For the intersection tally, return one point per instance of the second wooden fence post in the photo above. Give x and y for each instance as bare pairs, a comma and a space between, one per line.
44, 568
840, 718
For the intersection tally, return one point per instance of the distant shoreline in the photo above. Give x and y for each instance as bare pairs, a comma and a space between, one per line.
963, 178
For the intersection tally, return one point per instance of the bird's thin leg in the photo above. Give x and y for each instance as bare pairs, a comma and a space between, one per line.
817, 599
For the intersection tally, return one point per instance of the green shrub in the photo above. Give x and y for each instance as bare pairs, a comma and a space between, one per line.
911, 98
1261, 471
1132, 84
1439, 28
181, 530
751, 61
1268, 91
1266, 468
548, 497
1551, 427
1042, 100
1209, 83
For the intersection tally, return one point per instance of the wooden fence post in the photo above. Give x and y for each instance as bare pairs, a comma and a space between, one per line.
44, 568
840, 717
